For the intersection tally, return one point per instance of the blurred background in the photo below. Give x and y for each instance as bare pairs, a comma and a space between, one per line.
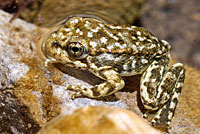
176, 21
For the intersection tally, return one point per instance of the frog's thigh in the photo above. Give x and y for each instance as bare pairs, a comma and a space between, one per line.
113, 83
166, 98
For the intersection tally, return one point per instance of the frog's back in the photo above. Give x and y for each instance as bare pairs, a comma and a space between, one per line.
104, 38
129, 49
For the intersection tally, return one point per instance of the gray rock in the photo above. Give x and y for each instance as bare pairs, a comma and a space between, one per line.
41, 89
13, 117
18, 44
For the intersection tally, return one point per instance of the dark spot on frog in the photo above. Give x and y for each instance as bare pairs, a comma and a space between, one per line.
121, 41
119, 68
98, 64
56, 44
100, 33
96, 93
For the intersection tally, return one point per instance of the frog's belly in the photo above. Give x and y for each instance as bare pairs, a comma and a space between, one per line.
126, 64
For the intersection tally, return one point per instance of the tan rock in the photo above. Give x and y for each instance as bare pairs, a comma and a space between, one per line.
41, 90
98, 120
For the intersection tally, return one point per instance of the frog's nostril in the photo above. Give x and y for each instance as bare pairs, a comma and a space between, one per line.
55, 44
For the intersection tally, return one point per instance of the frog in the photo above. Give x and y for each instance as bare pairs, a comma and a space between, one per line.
112, 52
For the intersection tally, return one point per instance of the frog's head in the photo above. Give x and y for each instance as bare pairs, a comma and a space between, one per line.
67, 44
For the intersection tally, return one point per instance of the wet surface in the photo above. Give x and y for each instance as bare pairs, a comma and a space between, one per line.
172, 20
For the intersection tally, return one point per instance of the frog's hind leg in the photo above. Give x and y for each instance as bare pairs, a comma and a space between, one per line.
165, 113
160, 91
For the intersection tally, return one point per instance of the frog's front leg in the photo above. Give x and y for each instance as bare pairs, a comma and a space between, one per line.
49, 61
160, 91
113, 83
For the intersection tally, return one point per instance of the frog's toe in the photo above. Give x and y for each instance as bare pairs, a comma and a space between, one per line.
145, 115
76, 95
73, 87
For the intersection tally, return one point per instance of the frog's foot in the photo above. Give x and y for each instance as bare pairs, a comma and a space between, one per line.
112, 84
49, 61
77, 88
160, 101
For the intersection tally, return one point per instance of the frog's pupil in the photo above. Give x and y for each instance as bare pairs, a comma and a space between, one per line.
75, 49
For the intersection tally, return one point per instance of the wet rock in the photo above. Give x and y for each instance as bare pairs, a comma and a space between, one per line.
41, 89
13, 117
36, 87
98, 120
17, 46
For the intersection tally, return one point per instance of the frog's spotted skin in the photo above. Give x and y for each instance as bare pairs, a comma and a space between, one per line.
110, 52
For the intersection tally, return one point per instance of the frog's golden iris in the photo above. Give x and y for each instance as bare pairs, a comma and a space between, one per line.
76, 50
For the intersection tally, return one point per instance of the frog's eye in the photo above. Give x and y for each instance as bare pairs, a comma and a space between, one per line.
76, 50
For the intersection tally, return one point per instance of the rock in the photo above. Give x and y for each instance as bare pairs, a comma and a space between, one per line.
13, 117
98, 120
16, 39
36, 87
41, 89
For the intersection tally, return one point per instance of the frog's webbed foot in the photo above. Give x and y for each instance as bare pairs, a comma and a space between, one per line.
160, 91
113, 83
